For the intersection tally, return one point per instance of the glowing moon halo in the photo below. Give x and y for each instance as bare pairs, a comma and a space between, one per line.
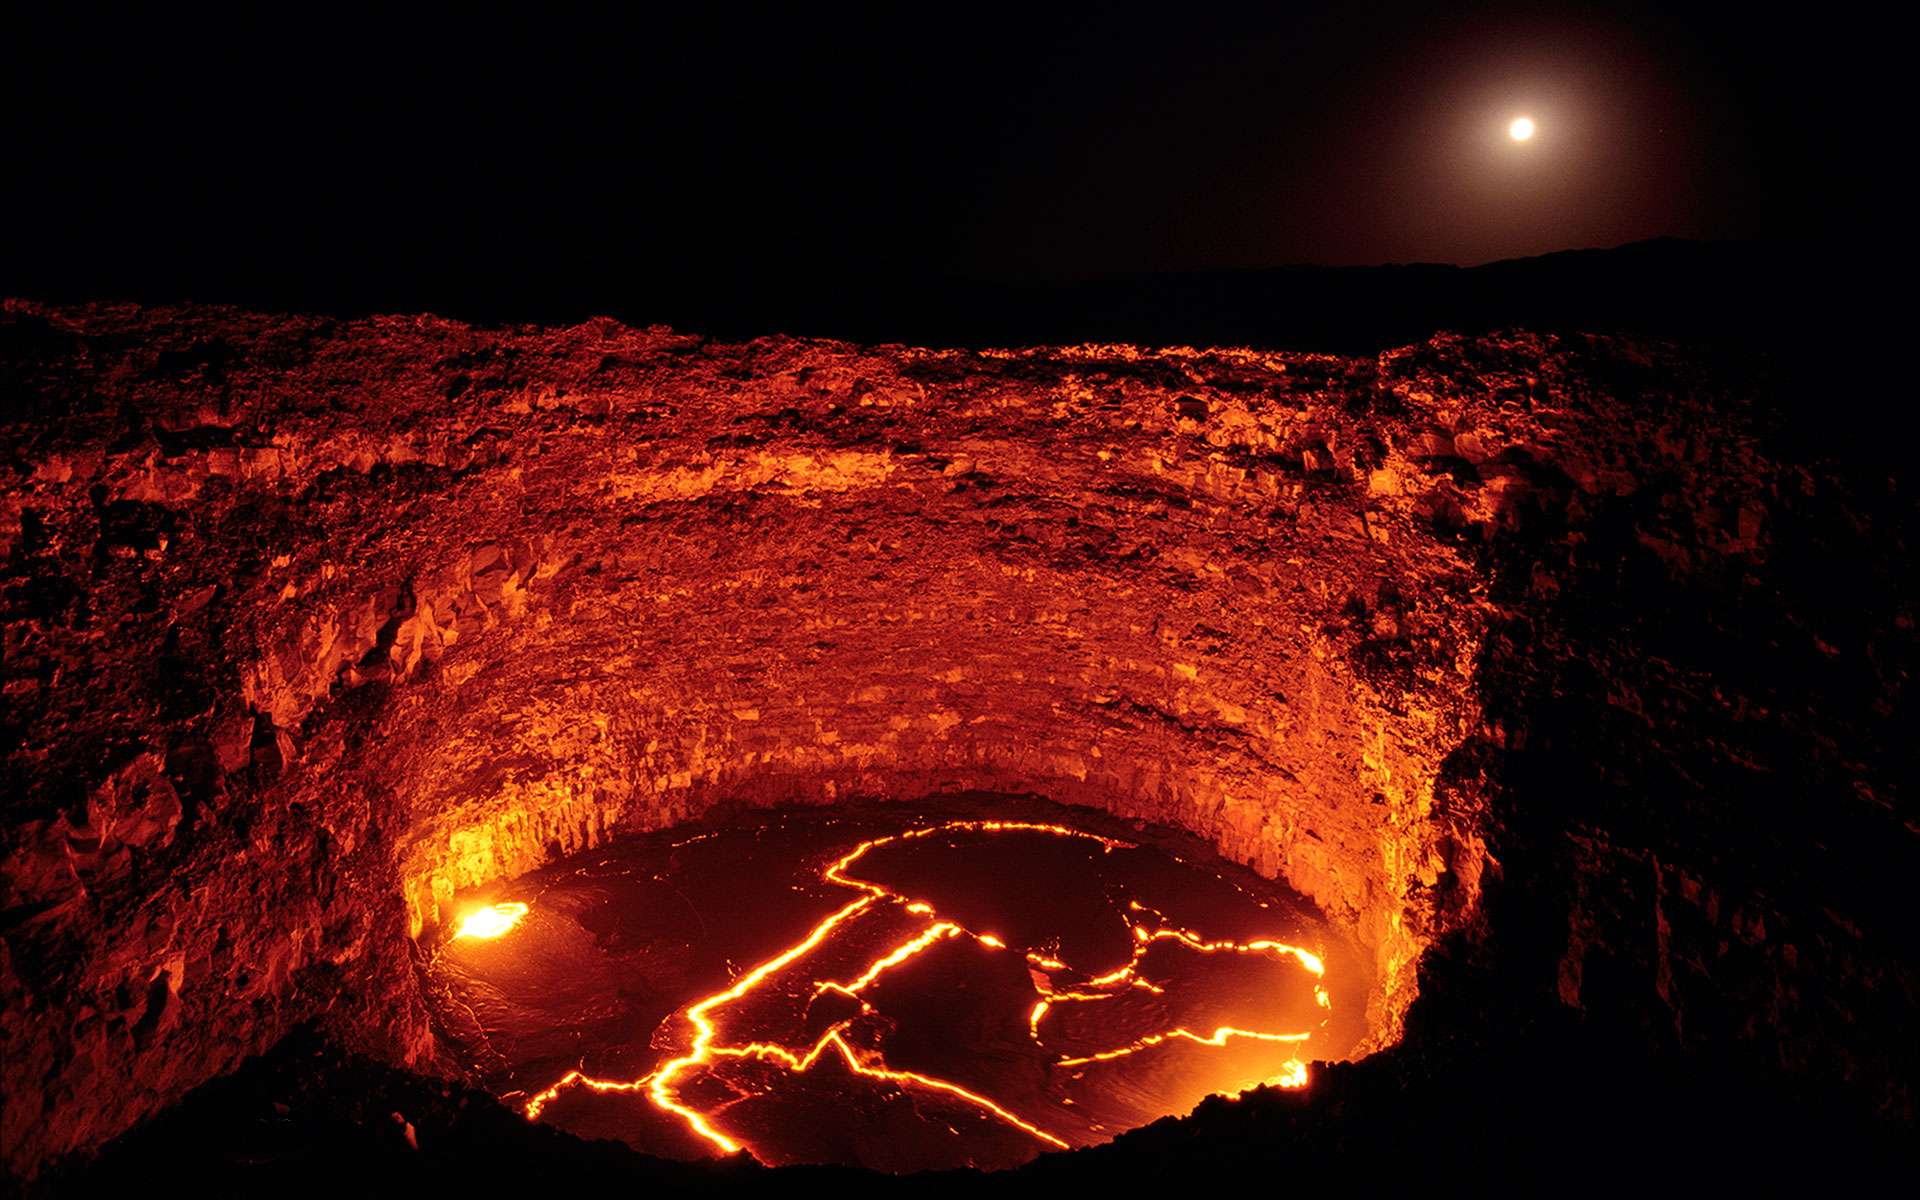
1521, 129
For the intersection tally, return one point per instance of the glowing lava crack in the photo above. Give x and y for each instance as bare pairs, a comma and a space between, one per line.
705, 1047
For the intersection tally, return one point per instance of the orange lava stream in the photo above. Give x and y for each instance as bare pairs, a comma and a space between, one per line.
1295, 1074
703, 1049
1218, 1038
900, 954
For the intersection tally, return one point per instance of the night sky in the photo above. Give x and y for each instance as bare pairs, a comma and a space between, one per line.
458, 160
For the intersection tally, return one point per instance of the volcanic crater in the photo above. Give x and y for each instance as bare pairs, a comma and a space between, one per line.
324, 634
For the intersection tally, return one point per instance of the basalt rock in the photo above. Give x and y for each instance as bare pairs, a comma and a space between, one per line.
1549, 658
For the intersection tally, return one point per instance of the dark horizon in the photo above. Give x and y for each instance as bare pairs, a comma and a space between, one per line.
787, 166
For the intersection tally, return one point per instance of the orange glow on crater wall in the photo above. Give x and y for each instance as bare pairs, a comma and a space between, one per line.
703, 1046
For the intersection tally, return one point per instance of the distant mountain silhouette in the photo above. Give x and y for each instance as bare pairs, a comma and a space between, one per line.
1800, 311
1752, 293
1666, 287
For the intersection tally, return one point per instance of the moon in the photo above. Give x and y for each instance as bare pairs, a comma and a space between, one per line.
1521, 129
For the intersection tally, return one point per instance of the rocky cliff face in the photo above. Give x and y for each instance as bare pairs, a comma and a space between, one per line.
310, 624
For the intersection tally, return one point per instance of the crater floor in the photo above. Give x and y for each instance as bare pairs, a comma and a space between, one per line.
894, 986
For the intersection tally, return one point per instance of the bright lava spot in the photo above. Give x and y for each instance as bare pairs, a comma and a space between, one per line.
1295, 1076
1521, 129
491, 921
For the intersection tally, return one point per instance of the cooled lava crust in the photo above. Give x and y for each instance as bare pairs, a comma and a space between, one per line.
1558, 670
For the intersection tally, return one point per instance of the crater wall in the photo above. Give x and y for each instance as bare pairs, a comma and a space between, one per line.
312, 623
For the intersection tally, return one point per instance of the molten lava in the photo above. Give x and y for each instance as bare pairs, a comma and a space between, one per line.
492, 921
707, 1042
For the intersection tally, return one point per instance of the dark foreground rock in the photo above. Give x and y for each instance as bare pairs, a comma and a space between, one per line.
1547, 1108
